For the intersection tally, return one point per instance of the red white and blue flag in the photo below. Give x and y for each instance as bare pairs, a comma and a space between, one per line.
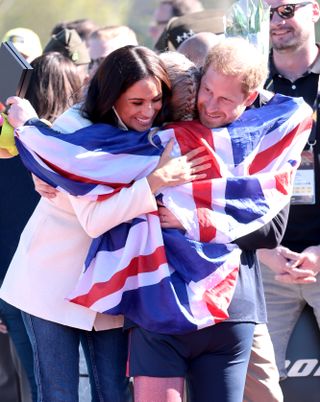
171, 281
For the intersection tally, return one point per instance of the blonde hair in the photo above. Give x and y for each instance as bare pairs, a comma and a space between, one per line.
185, 78
237, 57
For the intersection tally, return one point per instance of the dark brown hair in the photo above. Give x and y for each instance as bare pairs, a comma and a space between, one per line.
119, 71
55, 85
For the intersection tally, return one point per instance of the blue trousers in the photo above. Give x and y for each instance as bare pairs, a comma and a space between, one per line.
219, 375
56, 357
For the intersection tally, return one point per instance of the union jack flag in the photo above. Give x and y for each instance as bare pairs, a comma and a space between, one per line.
170, 281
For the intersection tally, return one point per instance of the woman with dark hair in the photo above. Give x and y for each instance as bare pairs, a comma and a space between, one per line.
128, 91
54, 85
105, 89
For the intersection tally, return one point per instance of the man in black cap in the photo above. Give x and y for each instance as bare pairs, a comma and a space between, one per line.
168, 9
179, 29
69, 43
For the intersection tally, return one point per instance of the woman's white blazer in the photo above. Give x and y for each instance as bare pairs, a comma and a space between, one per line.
55, 242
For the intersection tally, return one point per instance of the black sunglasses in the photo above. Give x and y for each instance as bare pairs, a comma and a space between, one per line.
287, 11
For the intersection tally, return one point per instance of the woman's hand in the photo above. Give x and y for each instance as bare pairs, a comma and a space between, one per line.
44, 189
183, 169
4, 154
20, 111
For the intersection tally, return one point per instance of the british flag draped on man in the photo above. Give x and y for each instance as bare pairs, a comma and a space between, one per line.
172, 281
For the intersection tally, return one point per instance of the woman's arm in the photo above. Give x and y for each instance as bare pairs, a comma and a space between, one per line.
97, 217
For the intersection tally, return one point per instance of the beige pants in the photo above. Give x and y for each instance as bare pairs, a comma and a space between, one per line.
262, 382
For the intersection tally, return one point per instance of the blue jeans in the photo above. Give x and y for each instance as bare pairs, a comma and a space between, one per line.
12, 318
56, 356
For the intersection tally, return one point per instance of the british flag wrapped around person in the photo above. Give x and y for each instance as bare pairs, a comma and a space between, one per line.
171, 281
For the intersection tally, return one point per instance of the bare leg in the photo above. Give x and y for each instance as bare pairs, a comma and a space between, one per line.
156, 389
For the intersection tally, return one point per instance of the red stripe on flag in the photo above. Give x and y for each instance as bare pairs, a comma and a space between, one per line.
82, 179
218, 299
140, 264
264, 158
189, 135
202, 192
284, 182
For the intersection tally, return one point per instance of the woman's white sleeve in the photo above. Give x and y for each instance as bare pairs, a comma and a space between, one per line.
97, 217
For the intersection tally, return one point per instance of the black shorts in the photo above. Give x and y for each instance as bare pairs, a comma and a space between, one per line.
159, 355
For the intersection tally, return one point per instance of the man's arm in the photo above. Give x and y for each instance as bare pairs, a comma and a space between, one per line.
269, 236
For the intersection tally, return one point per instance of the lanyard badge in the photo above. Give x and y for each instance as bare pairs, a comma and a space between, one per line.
304, 183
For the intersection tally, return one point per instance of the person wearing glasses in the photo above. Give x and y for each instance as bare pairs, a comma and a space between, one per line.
292, 281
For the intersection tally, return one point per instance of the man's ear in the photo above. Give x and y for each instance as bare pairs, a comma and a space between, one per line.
251, 98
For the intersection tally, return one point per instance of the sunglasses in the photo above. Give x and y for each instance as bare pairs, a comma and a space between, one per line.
287, 11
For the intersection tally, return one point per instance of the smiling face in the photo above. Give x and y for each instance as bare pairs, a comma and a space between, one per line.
221, 99
292, 33
139, 105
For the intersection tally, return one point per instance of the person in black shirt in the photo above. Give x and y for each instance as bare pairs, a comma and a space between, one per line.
294, 71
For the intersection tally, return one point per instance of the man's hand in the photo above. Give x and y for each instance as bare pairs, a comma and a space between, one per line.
277, 259
305, 268
287, 265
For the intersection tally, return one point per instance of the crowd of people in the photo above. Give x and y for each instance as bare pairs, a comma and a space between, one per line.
165, 180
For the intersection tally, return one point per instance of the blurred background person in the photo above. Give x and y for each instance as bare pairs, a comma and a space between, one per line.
168, 9
179, 29
197, 46
68, 42
26, 41
105, 40
83, 26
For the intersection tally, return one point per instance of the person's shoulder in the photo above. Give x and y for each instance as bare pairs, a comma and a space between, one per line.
71, 120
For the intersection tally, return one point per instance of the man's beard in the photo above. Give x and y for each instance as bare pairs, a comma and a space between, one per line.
284, 47
291, 45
